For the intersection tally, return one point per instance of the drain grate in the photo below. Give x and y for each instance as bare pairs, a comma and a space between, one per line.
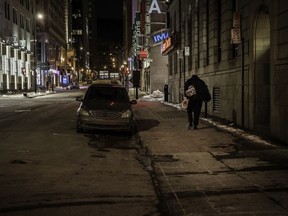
172, 114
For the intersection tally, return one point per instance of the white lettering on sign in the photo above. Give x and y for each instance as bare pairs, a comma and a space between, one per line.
137, 29
160, 37
154, 7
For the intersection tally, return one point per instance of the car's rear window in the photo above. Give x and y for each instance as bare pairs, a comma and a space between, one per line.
108, 93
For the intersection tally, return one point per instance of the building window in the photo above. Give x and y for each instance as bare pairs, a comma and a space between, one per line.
28, 4
7, 11
170, 59
216, 99
219, 9
28, 25
1, 56
168, 20
21, 21
207, 30
77, 32
234, 47
175, 60
15, 20
190, 37
197, 30
38, 51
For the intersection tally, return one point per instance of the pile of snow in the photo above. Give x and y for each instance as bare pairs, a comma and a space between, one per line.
155, 96
238, 132
159, 96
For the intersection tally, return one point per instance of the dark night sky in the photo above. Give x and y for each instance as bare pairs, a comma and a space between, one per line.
109, 22
109, 9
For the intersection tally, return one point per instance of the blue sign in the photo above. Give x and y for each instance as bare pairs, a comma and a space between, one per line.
65, 80
160, 37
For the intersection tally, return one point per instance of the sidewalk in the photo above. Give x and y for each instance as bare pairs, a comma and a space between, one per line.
32, 94
209, 171
26, 95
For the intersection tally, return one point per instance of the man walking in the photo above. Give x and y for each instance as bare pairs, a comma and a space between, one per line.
196, 91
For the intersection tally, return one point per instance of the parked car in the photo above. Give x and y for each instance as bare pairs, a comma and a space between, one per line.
105, 107
73, 85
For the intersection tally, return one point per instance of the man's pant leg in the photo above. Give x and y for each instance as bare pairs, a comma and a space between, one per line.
197, 111
189, 112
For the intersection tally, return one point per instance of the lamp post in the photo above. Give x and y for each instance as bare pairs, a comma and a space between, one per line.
37, 16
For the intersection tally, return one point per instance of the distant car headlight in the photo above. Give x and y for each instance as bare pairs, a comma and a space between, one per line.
82, 112
127, 114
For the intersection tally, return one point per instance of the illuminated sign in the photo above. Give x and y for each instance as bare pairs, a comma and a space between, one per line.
160, 37
166, 44
65, 80
136, 33
154, 7
142, 54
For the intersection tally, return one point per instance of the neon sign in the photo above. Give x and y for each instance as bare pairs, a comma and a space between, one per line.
166, 45
160, 37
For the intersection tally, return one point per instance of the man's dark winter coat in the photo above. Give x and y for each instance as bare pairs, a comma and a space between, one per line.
199, 85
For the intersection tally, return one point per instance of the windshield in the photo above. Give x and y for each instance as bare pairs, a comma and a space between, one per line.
107, 93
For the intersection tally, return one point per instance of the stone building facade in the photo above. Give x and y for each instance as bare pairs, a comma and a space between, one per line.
239, 48
16, 31
32, 47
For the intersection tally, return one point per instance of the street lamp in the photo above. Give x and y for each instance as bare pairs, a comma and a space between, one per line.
38, 16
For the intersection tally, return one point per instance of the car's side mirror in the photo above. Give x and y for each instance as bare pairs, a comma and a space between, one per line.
133, 101
79, 98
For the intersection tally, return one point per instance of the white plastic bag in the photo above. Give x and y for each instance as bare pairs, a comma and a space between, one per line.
191, 91
184, 103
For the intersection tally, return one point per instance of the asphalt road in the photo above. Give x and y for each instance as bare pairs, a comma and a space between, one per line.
46, 168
